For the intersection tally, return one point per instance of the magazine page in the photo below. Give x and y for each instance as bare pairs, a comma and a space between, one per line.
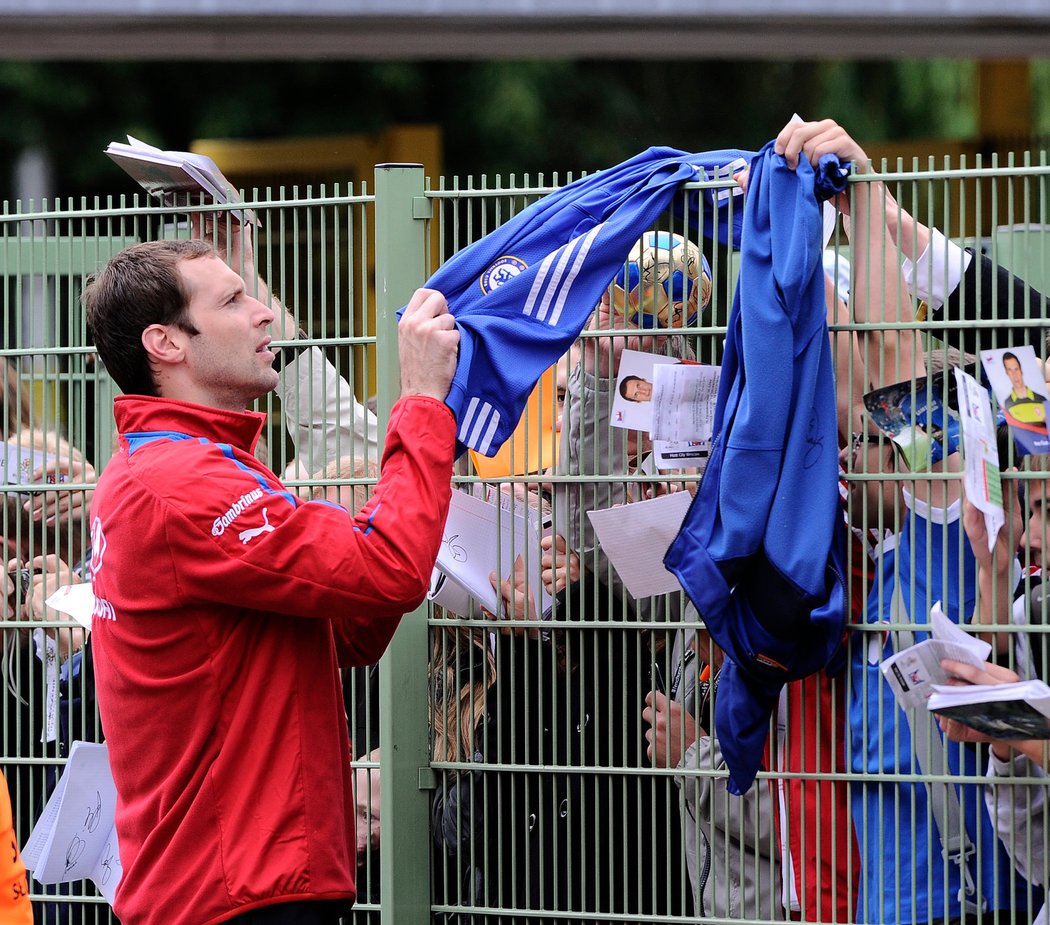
920, 417
1016, 377
1020, 710
913, 672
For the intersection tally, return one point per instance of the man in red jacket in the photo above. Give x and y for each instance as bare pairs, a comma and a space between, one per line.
225, 604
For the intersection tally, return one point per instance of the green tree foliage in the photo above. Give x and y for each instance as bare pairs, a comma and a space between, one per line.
497, 117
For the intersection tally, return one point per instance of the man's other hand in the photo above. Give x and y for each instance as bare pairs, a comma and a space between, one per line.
428, 344
671, 730
813, 140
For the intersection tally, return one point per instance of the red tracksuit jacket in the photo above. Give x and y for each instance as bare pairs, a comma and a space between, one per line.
224, 607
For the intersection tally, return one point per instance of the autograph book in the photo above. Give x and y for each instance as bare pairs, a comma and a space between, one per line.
75, 837
177, 178
1020, 710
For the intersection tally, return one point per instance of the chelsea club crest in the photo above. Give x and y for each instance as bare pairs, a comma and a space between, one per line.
503, 270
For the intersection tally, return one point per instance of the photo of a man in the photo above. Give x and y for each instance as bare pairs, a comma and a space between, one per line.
636, 389
1023, 404
1012, 372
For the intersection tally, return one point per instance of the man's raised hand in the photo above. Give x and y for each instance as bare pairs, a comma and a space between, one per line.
428, 345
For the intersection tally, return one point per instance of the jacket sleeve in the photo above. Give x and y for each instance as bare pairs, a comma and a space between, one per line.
1018, 812
456, 815
746, 820
988, 292
313, 559
324, 418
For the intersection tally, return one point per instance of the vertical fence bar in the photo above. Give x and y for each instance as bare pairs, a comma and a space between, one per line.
400, 261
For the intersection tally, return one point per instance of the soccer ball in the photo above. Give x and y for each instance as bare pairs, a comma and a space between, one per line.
665, 281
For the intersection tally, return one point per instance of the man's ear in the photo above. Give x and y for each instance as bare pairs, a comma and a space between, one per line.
165, 343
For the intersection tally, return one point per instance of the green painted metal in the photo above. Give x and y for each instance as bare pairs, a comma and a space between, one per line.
400, 248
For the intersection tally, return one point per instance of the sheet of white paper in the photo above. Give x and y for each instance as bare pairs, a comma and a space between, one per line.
724, 194
76, 601
943, 629
480, 538
829, 214
981, 478
635, 537
684, 402
75, 837
46, 648
830, 217
136, 143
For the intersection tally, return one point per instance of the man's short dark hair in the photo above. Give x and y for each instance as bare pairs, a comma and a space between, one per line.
138, 287
624, 383
1009, 356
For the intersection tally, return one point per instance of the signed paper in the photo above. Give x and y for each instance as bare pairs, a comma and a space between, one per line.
482, 537
635, 537
75, 837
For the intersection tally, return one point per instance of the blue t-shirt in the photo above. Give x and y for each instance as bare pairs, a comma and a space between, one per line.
904, 877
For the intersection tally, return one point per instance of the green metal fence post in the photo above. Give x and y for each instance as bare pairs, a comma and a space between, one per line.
404, 811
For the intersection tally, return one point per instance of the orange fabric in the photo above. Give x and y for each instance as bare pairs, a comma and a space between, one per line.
14, 889
533, 447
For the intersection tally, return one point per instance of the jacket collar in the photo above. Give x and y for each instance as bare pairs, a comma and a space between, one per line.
143, 413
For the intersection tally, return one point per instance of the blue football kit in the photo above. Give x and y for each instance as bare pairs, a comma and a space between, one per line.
522, 294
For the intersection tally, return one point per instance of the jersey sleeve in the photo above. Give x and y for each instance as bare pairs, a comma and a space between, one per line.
248, 542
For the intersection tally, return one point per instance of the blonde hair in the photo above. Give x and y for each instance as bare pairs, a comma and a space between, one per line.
346, 470
17, 408
462, 671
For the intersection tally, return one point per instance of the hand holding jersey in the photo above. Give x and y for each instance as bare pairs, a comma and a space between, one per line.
428, 343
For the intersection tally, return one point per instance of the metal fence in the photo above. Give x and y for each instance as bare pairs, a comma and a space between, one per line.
516, 775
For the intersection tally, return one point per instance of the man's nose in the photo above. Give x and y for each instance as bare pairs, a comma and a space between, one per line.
1032, 546
265, 314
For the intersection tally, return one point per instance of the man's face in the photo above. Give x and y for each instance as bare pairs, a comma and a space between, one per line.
638, 390
229, 359
1035, 539
873, 503
565, 366
1013, 370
